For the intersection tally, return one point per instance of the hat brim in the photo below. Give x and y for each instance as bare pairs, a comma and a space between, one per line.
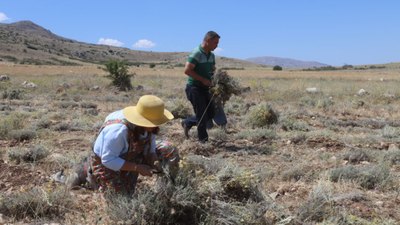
132, 115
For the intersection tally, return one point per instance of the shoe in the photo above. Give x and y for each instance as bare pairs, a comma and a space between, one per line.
185, 129
203, 141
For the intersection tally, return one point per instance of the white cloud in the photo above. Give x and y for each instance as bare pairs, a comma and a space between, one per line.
3, 17
218, 51
109, 41
143, 43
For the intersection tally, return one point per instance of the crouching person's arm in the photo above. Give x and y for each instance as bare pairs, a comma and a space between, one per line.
142, 169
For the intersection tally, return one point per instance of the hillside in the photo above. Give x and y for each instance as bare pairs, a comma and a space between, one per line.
285, 62
25, 42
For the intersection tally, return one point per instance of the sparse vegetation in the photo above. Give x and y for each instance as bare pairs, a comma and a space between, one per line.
321, 158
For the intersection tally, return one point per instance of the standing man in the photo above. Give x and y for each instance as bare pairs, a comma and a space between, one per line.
199, 68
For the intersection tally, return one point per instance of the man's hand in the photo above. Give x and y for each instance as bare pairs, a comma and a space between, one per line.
206, 82
189, 70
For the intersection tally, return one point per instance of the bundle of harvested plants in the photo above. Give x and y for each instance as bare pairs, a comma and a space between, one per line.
224, 86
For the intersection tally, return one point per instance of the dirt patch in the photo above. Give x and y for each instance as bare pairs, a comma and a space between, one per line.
13, 177
328, 143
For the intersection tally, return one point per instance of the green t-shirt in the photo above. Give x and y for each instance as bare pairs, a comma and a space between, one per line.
204, 65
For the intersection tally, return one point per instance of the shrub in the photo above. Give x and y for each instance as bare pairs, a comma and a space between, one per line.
277, 68
43, 123
36, 203
346, 66
356, 156
22, 135
204, 192
319, 204
256, 135
392, 156
296, 172
88, 105
289, 124
68, 104
390, 132
14, 121
179, 108
368, 177
13, 94
32, 154
118, 73
261, 115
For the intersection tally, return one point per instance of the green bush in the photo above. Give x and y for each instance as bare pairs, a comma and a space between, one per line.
277, 68
119, 74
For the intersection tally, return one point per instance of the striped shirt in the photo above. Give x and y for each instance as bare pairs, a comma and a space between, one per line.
204, 65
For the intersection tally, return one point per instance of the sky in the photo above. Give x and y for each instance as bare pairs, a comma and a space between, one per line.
334, 32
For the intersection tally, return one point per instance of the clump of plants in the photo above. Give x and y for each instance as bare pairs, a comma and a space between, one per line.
368, 177
179, 108
224, 86
277, 68
36, 203
13, 94
11, 122
356, 156
119, 75
261, 115
31, 154
205, 191
22, 135
319, 204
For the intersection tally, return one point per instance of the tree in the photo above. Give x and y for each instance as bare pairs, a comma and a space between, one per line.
119, 74
279, 68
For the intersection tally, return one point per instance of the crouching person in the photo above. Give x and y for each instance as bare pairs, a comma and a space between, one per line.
126, 146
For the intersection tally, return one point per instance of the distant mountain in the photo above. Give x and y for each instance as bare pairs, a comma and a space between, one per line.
25, 42
285, 62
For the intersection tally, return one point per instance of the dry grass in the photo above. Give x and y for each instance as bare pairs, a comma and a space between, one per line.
331, 157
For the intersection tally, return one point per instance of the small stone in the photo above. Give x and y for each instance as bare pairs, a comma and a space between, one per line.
379, 203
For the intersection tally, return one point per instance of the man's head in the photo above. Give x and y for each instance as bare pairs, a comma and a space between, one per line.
210, 41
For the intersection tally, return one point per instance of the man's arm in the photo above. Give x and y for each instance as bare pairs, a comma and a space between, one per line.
189, 70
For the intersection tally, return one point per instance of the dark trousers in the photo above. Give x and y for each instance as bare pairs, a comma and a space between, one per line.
203, 107
219, 118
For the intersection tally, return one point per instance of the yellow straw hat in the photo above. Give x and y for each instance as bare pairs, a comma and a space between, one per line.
149, 112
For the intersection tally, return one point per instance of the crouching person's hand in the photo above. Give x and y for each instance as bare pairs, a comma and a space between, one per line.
144, 170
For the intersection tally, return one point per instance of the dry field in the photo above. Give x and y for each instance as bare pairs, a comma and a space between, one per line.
331, 158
